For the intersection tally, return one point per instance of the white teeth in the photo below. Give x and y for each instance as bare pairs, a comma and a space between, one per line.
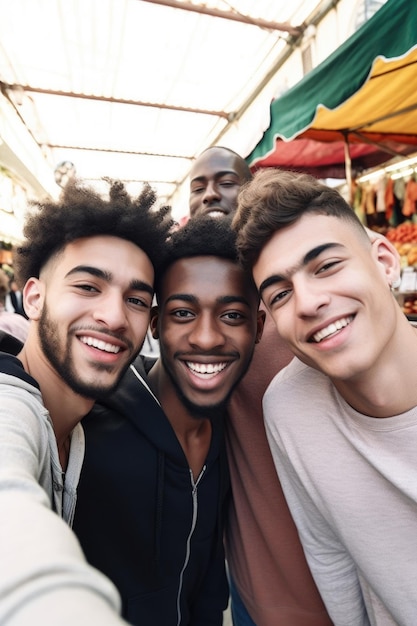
216, 214
100, 345
332, 328
206, 369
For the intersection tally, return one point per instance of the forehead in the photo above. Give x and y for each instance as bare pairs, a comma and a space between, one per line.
316, 227
214, 161
206, 278
112, 254
289, 246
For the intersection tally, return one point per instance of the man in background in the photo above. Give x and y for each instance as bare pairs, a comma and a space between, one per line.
10, 322
271, 584
14, 300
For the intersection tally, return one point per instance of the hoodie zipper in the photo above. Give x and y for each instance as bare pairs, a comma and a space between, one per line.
194, 485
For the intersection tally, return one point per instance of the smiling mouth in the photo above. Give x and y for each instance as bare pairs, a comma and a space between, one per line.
216, 214
206, 370
331, 329
100, 345
215, 211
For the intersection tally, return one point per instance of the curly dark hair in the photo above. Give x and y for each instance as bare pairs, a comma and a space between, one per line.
202, 235
82, 212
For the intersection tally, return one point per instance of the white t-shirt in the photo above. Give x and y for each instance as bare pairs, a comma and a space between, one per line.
351, 484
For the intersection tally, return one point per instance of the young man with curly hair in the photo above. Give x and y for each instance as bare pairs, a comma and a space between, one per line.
87, 265
157, 532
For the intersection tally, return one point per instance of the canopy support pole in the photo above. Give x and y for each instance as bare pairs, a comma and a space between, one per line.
348, 168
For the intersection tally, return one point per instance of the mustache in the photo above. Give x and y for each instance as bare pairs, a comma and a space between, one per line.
215, 353
103, 331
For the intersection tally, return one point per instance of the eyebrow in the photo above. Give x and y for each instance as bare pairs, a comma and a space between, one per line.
137, 285
186, 297
217, 175
307, 258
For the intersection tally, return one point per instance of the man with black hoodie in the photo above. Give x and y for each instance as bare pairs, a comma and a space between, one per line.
154, 486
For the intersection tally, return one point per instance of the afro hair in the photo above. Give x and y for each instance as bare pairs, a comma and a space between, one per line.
83, 212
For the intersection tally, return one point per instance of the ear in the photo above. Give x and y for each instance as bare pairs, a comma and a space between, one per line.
386, 255
153, 324
34, 298
260, 325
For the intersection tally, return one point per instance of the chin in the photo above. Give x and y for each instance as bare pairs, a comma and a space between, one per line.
208, 411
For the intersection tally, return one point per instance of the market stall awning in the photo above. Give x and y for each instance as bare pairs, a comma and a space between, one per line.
363, 96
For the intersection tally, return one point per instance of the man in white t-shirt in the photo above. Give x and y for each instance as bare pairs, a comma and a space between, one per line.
341, 418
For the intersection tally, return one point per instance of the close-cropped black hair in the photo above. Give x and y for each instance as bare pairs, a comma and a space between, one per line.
83, 212
202, 235
244, 166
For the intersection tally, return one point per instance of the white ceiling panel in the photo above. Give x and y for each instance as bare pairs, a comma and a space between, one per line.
136, 89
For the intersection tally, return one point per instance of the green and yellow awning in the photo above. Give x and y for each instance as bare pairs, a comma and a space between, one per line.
359, 104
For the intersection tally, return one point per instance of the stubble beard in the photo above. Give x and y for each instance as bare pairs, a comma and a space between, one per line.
211, 411
60, 358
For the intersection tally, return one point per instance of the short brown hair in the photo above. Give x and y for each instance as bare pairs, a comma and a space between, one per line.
274, 199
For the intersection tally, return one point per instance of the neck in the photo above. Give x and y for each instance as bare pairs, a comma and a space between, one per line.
388, 388
193, 432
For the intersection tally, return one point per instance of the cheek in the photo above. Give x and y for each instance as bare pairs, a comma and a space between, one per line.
230, 195
172, 336
244, 341
193, 205
65, 309
140, 327
283, 321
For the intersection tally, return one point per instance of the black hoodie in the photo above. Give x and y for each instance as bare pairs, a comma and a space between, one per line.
140, 519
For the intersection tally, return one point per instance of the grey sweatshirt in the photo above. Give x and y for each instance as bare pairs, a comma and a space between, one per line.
44, 577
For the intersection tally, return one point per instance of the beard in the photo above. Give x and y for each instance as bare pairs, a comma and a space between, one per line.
60, 357
209, 411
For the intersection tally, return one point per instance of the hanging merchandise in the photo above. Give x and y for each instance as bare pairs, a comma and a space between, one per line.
387, 196
410, 199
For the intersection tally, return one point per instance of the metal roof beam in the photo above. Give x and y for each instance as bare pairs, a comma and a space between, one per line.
70, 94
230, 15
117, 151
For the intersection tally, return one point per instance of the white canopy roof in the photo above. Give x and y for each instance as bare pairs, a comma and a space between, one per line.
136, 89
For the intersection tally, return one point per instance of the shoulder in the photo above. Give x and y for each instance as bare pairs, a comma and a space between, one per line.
294, 374
13, 374
9, 343
20, 395
131, 405
295, 385
131, 392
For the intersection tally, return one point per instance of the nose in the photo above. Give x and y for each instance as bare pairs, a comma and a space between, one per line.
110, 311
309, 297
206, 334
211, 193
